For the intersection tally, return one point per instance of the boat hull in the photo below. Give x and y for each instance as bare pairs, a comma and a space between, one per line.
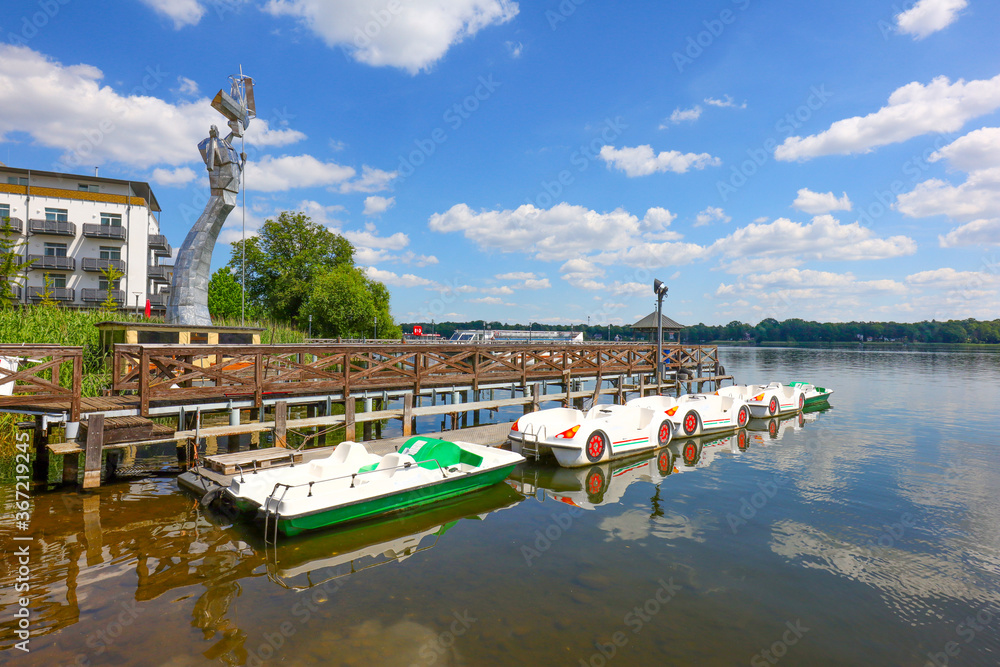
393, 502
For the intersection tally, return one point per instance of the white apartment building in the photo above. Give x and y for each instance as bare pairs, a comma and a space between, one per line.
73, 227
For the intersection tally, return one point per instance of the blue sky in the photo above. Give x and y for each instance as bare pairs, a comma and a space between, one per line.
545, 161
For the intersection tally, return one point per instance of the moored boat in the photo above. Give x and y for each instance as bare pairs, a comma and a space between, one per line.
766, 400
813, 395
423, 471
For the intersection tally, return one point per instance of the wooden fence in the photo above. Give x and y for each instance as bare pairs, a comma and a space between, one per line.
37, 371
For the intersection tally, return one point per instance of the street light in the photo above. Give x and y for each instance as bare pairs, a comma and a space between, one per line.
137, 295
660, 289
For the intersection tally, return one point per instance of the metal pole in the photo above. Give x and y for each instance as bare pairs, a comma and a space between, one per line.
659, 337
243, 245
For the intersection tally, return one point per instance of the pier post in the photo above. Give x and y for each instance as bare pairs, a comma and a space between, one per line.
535, 398
407, 415
280, 424
71, 468
234, 416
350, 429
92, 457
40, 469
367, 428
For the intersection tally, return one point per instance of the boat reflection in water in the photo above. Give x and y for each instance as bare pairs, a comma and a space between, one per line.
774, 428
316, 558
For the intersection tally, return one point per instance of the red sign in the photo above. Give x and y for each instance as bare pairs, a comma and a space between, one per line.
418, 330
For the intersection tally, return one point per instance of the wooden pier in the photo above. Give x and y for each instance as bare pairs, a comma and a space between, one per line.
392, 381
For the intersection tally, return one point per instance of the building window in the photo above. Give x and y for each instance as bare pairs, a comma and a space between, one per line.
103, 283
56, 280
56, 215
111, 253
55, 249
84, 187
111, 219
17, 180
4, 212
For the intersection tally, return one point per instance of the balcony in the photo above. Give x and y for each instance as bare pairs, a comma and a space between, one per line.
57, 293
104, 232
53, 227
159, 300
158, 243
50, 263
15, 290
16, 225
100, 295
100, 265
159, 274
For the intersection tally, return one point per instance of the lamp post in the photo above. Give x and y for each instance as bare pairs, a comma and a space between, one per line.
661, 291
375, 337
137, 295
310, 325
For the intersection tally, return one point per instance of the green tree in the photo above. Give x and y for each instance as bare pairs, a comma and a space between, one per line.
345, 303
225, 298
112, 275
284, 260
47, 298
12, 268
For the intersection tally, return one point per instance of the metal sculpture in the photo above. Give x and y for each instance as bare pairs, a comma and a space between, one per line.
188, 302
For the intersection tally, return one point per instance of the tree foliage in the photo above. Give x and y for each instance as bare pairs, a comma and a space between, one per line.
284, 259
225, 297
12, 268
296, 268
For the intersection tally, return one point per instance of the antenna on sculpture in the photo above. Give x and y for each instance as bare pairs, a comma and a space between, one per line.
243, 245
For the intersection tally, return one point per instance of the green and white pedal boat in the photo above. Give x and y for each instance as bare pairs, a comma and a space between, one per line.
335, 490
813, 395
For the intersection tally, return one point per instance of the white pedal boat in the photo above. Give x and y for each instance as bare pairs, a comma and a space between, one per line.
603, 433
335, 490
767, 400
698, 414
814, 395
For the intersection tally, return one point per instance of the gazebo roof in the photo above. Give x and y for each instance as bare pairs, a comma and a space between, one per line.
649, 323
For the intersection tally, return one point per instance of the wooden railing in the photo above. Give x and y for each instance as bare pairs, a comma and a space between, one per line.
36, 370
183, 373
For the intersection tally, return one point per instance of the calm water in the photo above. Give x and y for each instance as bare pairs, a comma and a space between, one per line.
866, 534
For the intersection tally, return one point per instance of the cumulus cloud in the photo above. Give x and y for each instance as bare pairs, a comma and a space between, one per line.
806, 282
181, 12
913, 110
394, 280
553, 234
410, 35
641, 161
725, 103
369, 238
173, 177
709, 215
979, 149
683, 115
515, 275
816, 203
824, 238
371, 180
929, 16
490, 301
186, 86
977, 232
950, 279
376, 205
276, 174
261, 134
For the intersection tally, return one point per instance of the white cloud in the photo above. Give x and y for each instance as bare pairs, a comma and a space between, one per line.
515, 275
581, 273
539, 283
979, 149
181, 12
653, 255
709, 215
977, 197
376, 205
173, 177
725, 103
641, 161
277, 174
411, 35
825, 238
816, 203
558, 233
948, 278
187, 86
490, 300
370, 239
929, 16
260, 134
654, 225
372, 180
977, 232
515, 49
681, 115
394, 280
913, 110
800, 282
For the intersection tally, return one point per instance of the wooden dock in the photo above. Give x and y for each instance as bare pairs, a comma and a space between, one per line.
387, 380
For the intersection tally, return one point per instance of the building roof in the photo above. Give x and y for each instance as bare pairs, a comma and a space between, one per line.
649, 322
140, 188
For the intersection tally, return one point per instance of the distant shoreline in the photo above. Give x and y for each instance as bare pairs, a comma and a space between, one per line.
873, 345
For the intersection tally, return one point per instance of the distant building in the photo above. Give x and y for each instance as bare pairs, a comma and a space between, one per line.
510, 336
647, 327
74, 226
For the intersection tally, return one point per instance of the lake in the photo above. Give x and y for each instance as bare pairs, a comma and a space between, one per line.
863, 534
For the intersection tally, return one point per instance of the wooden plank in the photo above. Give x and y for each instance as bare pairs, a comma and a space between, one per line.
349, 422
270, 457
280, 426
92, 464
408, 414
